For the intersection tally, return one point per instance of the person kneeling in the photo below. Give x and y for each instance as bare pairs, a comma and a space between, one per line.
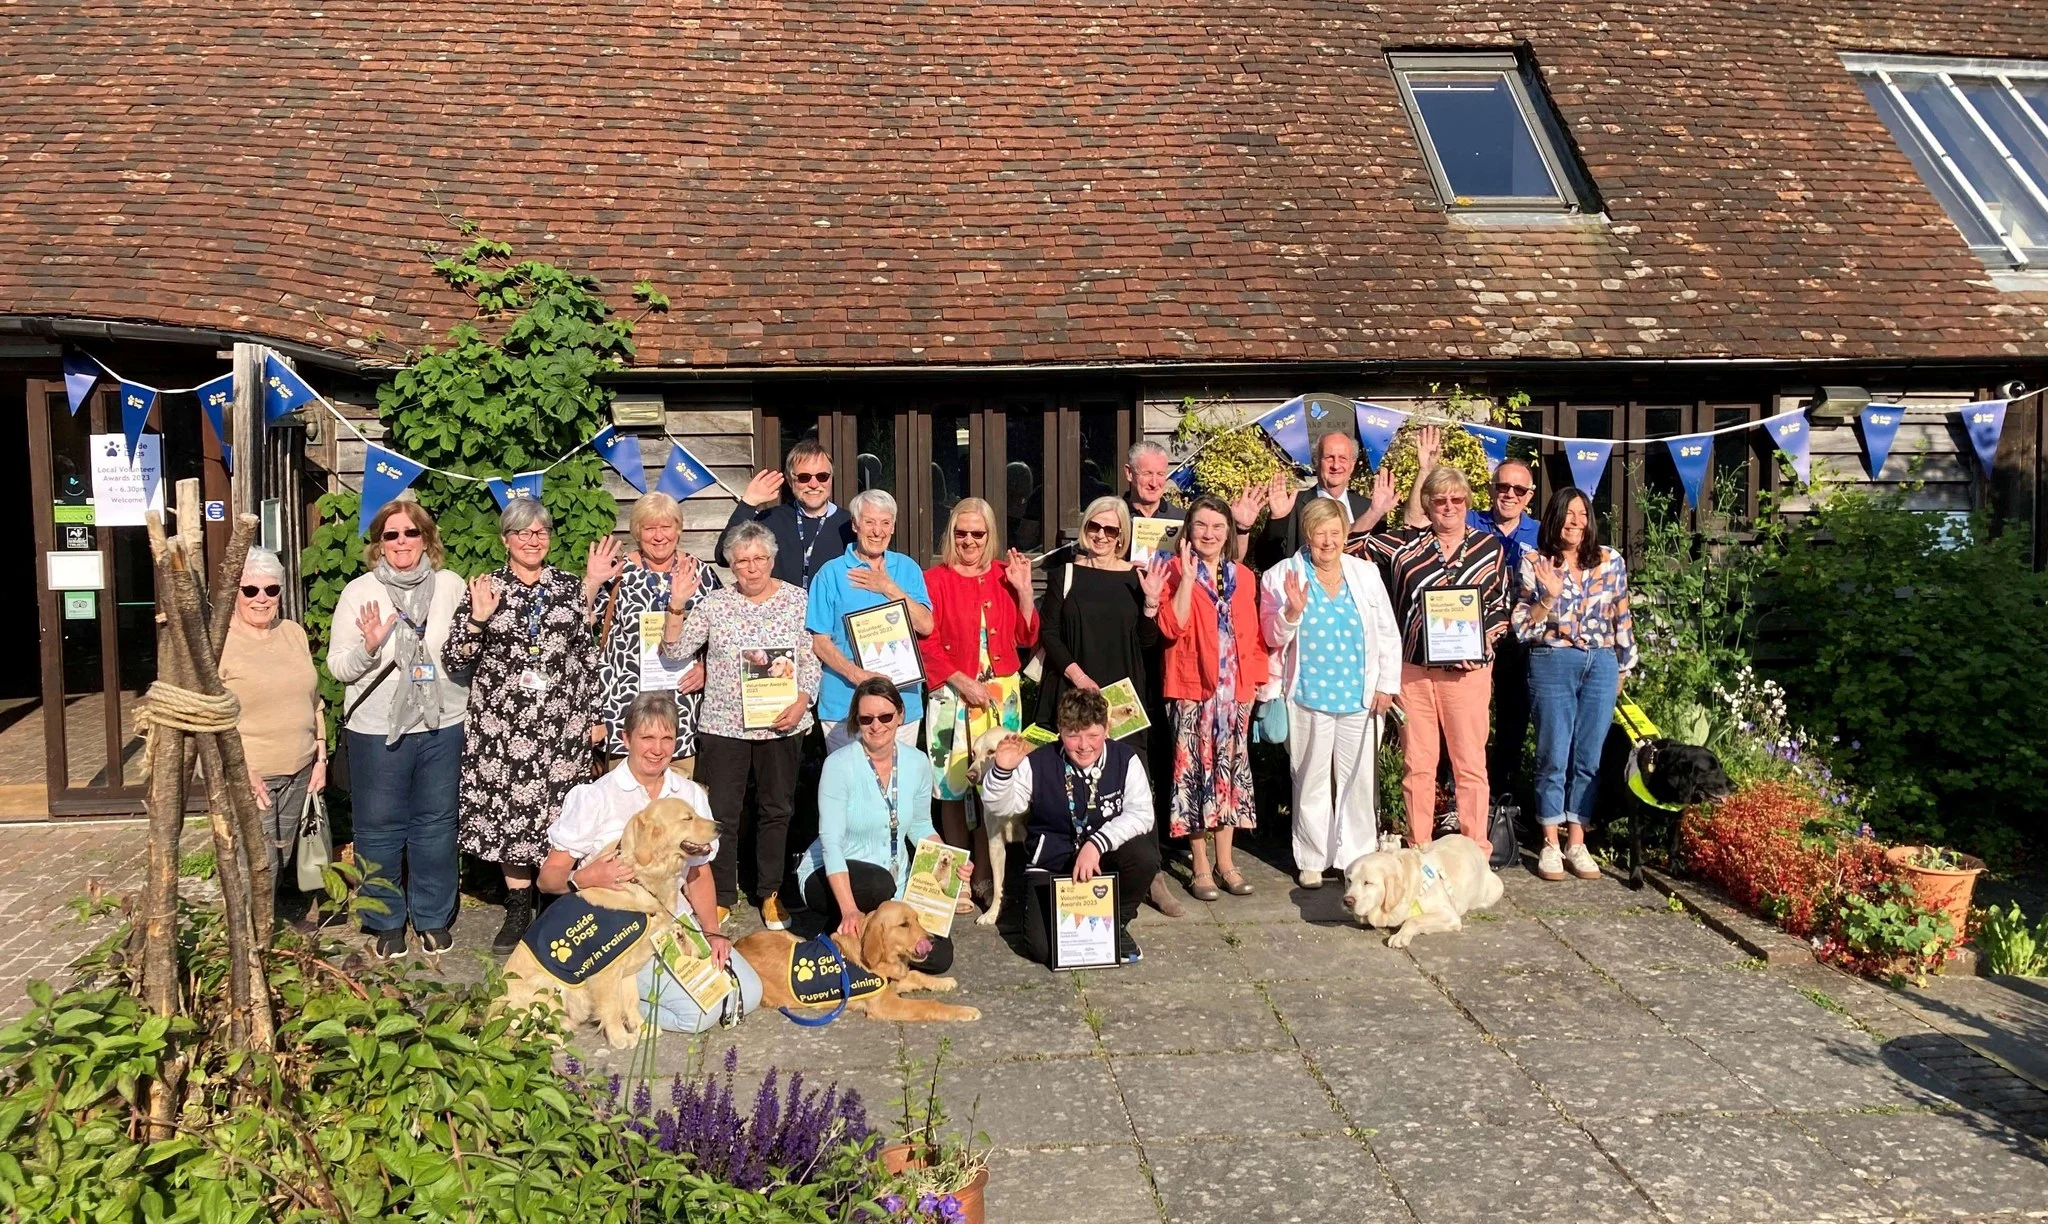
594, 816
1087, 805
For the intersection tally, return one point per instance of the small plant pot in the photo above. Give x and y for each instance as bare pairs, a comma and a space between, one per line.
899, 1157
1944, 892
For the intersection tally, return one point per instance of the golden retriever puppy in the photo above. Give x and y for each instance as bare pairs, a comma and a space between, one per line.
1002, 830
657, 841
890, 939
1420, 891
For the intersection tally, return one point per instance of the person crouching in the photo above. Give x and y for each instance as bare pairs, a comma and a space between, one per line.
1087, 806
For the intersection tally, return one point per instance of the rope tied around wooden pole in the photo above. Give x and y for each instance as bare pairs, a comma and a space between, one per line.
182, 710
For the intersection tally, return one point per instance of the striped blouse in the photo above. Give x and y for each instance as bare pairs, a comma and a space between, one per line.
1591, 614
1413, 562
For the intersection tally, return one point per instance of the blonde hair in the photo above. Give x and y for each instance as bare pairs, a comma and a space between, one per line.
430, 535
972, 505
1322, 510
650, 509
1123, 524
1444, 478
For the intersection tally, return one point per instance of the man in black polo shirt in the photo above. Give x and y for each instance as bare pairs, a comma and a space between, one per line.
809, 531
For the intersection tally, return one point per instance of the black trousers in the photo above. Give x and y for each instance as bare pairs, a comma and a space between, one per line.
724, 767
1510, 717
1135, 863
871, 886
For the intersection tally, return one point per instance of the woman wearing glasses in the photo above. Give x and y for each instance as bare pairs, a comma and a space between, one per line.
403, 716
982, 613
522, 643
268, 666
874, 806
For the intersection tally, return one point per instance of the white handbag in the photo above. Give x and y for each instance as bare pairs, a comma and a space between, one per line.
316, 844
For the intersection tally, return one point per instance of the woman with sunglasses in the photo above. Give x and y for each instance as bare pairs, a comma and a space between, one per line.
874, 806
523, 644
268, 666
982, 614
403, 719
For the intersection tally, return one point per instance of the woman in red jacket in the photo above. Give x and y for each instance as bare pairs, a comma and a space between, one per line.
982, 615
1215, 660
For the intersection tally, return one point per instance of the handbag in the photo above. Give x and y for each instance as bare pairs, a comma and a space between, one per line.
316, 844
1269, 721
337, 761
1501, 818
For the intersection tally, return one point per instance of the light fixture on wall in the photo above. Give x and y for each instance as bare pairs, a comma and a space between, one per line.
1837, 405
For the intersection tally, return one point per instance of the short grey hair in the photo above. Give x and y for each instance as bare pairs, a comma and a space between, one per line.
750, 534
878, 498
1324, 441
521, 513
658, 705
1148, 447
265, 562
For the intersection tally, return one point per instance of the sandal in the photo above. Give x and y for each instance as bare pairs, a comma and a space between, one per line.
1203, 888
964, 906
1234, 884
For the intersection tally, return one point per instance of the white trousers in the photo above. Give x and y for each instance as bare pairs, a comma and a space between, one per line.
1336, 799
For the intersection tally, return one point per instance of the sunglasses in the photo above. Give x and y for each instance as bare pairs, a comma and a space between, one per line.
253, 591
812, 477
960, 534
1514, 490
1108, 529
410, 533
885, 718
1446, 501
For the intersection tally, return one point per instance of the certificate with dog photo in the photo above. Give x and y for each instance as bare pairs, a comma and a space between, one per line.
767, 685
933, 889
1453, 630
882, 642
1127, 714
1151, 537
1084, 923
686, 956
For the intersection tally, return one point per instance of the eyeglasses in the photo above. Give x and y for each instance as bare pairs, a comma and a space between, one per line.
963, 534
1513, 490
410, 533
1105, 529
271, 590
529, 533
1447, 501
885, 718
812, 477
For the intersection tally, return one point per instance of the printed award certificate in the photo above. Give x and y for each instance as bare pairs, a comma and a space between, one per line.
882, 642
767, 685
1150, 537
933, 889
686, 955
1453, 631
657, 675
1084, 923
1039, 737
1127, 714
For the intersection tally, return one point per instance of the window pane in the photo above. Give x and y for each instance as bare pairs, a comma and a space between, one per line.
1975, 230
793, 425
951, 438
1481, 139
875, 450
2019, 135
2007, 198
1731, 462
1660, 475
1599, 423
1101, 466
1024, 492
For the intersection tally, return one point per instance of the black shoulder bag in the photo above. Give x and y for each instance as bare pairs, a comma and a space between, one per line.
337, 761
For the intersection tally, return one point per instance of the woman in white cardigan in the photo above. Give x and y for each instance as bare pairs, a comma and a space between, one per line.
1339, 652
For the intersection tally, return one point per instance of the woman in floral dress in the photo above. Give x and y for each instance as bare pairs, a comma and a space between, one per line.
655, 567
522, 643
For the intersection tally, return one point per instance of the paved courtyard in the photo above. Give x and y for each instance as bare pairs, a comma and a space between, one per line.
1581, 1054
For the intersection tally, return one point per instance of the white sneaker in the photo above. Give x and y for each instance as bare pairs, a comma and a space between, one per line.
1550, 864
1309, 879
1580, 861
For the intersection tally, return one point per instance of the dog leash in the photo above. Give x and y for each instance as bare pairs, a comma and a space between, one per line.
845, 993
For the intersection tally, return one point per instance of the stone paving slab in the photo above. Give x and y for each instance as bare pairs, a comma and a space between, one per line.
1284, 1181
1937, 1165
1822, 1071
1635, 1078
1174, 1096
1140, 1017
1644, 942
1545, 1173
1434, 1080
1763, 1168
1072, 1186
1730, 1001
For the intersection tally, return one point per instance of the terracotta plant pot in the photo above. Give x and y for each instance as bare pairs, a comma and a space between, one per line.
1945, 892
898, 1157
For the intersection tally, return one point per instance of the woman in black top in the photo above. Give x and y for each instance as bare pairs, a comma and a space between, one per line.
1096, 616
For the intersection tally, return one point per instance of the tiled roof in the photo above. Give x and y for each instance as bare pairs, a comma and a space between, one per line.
924, 181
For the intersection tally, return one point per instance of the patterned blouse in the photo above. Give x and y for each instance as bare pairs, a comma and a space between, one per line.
726, 624
1413, 562
1591, 614
638, 589
1332, 673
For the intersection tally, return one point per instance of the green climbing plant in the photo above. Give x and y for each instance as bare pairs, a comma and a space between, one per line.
504, 393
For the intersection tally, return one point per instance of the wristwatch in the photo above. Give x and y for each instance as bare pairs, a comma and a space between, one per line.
573, 887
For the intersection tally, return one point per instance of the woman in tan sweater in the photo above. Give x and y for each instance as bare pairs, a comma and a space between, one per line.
268, 666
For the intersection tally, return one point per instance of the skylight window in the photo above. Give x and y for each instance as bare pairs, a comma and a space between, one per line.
1977, 130
1490, 140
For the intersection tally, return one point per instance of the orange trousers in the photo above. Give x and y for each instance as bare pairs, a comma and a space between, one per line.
1451, 704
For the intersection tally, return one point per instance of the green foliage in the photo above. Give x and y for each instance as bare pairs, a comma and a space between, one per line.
1460, 449
2007, 945
492, 403
1238, 455
1923, 650
1891, 929
940, 1163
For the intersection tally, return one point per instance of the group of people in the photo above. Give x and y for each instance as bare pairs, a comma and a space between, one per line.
522, 716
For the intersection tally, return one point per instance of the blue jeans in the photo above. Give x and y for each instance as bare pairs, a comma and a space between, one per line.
667, 1006
1571, 693
404, 797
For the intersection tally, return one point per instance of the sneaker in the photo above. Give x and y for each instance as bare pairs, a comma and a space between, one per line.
1309, 879
773, 916
1127, 949
1550, 863
437, 940
1580, 861
390, 944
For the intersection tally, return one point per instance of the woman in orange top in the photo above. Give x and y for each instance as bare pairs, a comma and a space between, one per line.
1215, 660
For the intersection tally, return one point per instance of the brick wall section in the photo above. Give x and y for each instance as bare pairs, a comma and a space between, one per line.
862, 183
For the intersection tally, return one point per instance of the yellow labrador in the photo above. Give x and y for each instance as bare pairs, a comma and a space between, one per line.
1421, 891
1002, 830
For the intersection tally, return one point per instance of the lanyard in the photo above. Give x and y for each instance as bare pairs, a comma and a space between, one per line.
812, 543
1079, 816
988, 667
535, 610
419, 630
889, 797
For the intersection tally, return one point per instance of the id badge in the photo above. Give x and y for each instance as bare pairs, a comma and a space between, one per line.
425, 673
532, 681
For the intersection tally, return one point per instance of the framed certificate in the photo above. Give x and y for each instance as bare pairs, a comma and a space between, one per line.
882, 642
1150, 537
1084, 923
1453, 628
767, 685
1127, 714
933, 889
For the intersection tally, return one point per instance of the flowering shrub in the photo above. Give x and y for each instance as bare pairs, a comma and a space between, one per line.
1756, 741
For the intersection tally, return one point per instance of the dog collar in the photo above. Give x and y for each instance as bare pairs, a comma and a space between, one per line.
1641, 789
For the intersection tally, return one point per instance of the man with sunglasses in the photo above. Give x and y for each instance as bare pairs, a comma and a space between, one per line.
808, 531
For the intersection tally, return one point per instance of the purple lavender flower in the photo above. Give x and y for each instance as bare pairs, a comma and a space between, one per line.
950, 1210
643, 1100
572, 1066
891, 1203
927, 1203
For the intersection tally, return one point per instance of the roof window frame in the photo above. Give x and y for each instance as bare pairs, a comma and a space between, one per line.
1545, 127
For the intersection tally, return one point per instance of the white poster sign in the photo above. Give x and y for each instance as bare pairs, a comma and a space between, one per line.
122, 492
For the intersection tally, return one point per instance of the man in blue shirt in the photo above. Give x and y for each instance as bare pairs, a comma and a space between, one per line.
866, 575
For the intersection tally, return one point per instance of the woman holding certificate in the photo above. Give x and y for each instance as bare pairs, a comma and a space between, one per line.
874, 807
1450, 590
760, 678
1574, 617
1215, 661
981, 614
631, 611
